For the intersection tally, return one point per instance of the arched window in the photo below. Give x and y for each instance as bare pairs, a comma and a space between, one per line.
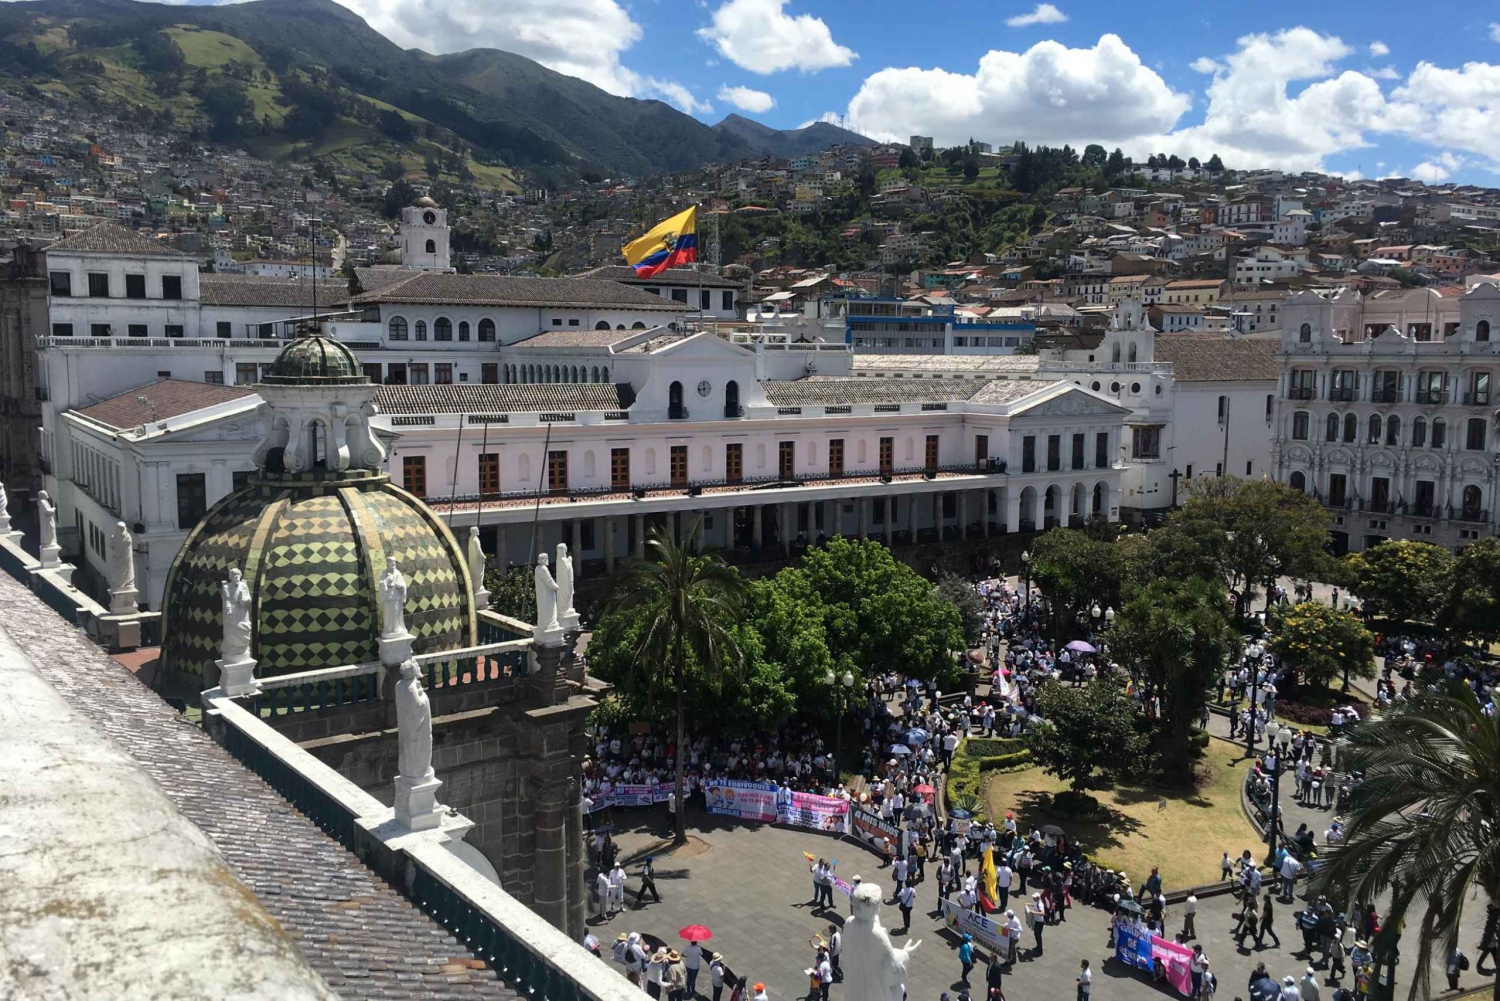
432, 246
605, 373
577, 374
486, 330
674, 401
708, 458
1482, 330
594, 374
397, 328
1299, 482
1474, 434
731, 398
1114, 353
1299, 425
619, 326
637, 325
1473, 507
463, 330
1351, 428
442, 329
419, 330
1130, 355
1419, 431
602, 325
1375, 424
1393, 430
1332, 434
1304, 333
1439, 432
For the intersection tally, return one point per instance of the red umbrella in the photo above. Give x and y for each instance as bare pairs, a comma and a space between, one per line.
696, 933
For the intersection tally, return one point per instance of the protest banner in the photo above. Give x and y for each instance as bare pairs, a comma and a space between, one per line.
821, 813
867, 826
745, 800
986, 931
1139, 948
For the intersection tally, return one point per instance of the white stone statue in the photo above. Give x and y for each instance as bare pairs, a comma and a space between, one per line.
566, 616
476, 558
413, 725
46, 516
875, 970
121, 559
546, 598
235, 596
393, 599
4, 510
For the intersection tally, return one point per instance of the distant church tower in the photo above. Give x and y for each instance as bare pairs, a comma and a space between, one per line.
424, 236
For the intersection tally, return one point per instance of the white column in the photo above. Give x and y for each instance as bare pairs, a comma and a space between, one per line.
1012, 510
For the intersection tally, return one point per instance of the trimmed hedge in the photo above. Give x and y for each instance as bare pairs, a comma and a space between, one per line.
982, 754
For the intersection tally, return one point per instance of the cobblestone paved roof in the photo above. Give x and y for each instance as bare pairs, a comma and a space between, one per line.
363, 937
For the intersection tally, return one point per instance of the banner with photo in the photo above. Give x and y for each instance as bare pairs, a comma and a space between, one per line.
1139, 948
986, 931
867, 826
821, 813
745, 800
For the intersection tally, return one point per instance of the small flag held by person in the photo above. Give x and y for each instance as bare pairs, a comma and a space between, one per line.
665, 245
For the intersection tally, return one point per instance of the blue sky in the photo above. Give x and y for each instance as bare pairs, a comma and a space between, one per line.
1372, 88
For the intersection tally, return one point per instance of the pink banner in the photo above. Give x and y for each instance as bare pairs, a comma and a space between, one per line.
1176, 958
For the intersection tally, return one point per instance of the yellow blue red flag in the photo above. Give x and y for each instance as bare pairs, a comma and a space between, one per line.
668, 244
989, 890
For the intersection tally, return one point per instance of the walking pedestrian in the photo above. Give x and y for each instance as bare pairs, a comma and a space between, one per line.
1085, 981
966, 957
1037, 918
601, 895
1196, 966
1307, 987
617, 888
1267, 914
906, 898
1189, 913
1456, 964
648, 883
993, 974
1012, 935
825, 975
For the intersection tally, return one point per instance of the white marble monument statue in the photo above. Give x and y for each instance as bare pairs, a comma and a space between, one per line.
392, 599
46, 519
548, 629
236, 666
875, 969
4, 511
476, 569
567, 617
416, 784
122, 591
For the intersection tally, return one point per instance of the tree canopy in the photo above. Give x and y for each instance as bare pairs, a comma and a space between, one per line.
1323, 643
1473, 601
1089, 736
1405, 580
1074, 571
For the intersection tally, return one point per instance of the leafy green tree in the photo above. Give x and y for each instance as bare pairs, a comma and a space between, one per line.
227, 107
394, 125
961, 595
971, 168
1421, 826
1094, 156
1174, 635
1075, 571
794, 646
1254, 529
1116, 164
691, 605
1090, 735
1406, 580
1473, 603
512, 591
1215, 165
879, 613
1322, 643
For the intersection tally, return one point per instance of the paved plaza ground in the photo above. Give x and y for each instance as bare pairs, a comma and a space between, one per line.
749, 883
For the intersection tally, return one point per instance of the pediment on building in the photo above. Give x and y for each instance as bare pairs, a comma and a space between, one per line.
1339, 455
1071, 402
1382, 460
237, 429
1425, 463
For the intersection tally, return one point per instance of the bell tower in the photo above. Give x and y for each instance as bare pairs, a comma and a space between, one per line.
424, 236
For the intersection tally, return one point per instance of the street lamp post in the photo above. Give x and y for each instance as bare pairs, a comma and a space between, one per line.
1109, 616
840, 702
1026, 567
1279, 742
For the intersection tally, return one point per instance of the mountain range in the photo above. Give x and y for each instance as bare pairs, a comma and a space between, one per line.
320, 81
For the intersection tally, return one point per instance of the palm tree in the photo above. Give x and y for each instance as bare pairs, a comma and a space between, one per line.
1423, 824
689, 604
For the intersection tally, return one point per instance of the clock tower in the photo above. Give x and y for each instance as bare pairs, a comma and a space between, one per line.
424, 236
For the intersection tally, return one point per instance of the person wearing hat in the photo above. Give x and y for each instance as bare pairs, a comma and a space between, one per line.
966, 957
716, 974
620, 949
1307, 987
1289, 990
760, 993
656, 972
1337, 950
675, 978
648, 883
1012, 936
1036, 917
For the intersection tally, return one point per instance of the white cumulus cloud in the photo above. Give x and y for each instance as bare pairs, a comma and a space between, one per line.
747, 99
1042, 13
1048, 94
1495, 31
674, 94
760, 36
1378, 49
1203, 64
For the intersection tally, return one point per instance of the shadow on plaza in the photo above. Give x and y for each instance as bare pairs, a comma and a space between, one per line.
1103, 831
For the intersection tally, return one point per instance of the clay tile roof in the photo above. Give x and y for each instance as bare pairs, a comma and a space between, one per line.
488, 398
834, 390
252, 290
165, 399
433, 288
578, 338
672, 276
112, 238
1210, 358
1001, 391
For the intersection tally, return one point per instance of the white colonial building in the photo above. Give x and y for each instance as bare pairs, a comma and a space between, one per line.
1387, 412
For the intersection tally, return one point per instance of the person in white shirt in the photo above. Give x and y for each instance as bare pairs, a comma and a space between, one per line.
617, 888
601, 895
1012, 935
898, 872
692, 959
1085, 980
906, 899
1003, 878
716, 975
835, 949
1289, 869
950, 744
1189, 914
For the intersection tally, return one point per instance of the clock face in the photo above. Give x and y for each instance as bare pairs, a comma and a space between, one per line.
429, 217
704, 388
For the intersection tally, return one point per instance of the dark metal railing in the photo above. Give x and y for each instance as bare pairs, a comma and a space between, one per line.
306, 696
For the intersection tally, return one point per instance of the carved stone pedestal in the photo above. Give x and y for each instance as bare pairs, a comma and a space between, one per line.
395, 648
50, 556
123, 602
238, 679
417, 807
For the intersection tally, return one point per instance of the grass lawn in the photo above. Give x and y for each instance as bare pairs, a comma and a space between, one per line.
1185, 838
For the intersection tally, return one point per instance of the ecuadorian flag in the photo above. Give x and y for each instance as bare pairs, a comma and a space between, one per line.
668, 244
